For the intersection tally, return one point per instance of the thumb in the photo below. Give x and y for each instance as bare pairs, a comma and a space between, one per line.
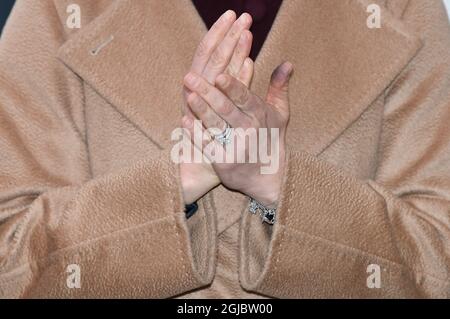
278, 93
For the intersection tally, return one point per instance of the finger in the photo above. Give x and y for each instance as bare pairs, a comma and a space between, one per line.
203, 140
185, 110
221, 56
241, 52
211, 40
235, 90
187, 123
195, 130
278, 92
220, 103
205, 113
246, 73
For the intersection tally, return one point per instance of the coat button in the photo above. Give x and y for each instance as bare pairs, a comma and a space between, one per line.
256, 8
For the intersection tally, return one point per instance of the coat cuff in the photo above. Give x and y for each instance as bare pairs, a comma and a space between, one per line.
329, 229
129, 236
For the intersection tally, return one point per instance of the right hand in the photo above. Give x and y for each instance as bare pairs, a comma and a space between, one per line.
225, 48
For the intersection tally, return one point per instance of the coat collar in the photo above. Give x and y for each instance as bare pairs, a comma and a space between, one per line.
144, 48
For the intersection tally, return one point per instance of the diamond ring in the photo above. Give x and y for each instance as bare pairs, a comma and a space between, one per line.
224, 138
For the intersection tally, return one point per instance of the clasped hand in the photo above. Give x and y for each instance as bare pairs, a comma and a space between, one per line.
217, 93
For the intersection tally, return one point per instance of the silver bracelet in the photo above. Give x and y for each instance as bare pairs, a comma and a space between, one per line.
267, 214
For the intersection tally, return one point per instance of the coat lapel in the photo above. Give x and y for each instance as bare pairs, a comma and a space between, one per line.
136, 53
341, 66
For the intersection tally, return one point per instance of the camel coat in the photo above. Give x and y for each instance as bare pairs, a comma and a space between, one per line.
86, 179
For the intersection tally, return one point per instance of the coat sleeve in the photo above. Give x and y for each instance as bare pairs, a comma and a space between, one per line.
124, 234
337, 236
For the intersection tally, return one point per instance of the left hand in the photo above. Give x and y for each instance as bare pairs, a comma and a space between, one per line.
230, 101
224, 49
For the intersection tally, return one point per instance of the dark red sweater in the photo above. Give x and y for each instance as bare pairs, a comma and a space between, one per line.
263, 12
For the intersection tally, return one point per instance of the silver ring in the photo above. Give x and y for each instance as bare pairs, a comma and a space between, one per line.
224, 138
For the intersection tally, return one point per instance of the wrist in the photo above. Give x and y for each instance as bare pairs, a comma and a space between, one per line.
269, 200
195, 183
266, 189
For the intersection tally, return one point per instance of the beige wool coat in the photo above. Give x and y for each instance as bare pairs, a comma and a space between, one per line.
86, 117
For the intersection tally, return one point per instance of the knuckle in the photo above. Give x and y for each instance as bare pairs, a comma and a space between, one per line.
232, 70
242, 97
198, 105
247, 123
234, 32
199, 86
203, 49
254, 122
195, 84
225, 81
218, 58
218, 123
203, 88
224, 108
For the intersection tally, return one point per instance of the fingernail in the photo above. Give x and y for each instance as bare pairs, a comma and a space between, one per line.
242, 19
190, 78
282, 73
245, 17
288, 68
228, 15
